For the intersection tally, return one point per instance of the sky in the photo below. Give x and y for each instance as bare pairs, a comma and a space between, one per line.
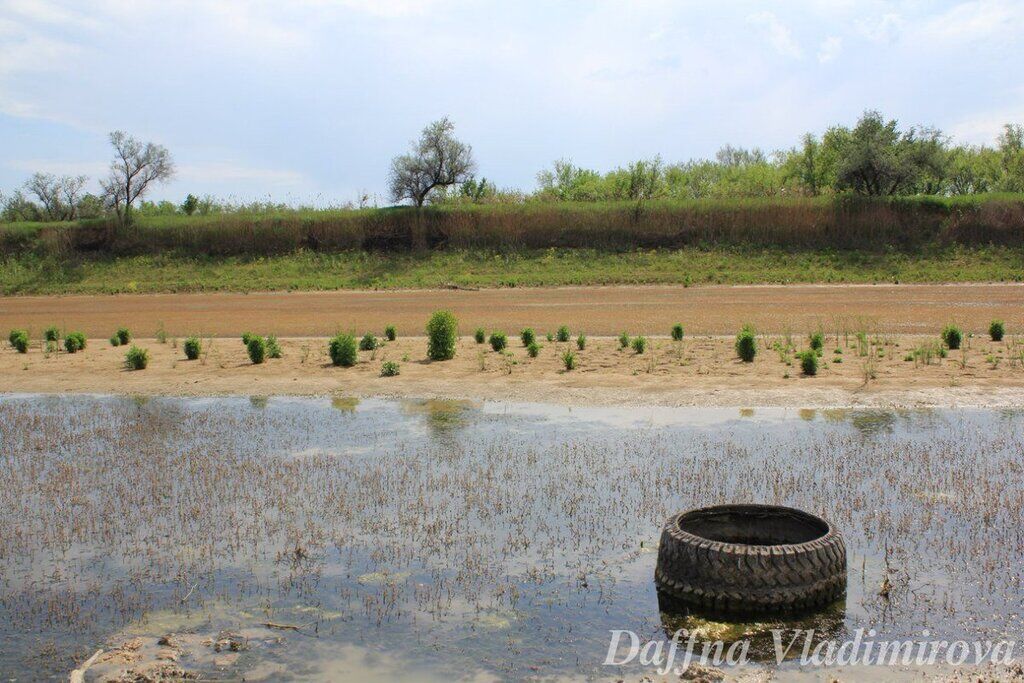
307, 101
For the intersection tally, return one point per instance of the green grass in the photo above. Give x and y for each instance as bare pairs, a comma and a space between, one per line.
28, 274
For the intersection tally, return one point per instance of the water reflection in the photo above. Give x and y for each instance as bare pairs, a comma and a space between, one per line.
707, 627
345, 404
442, 416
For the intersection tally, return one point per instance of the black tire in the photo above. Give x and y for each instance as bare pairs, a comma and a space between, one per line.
751, 559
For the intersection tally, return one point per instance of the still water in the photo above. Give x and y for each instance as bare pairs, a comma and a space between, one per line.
455, 540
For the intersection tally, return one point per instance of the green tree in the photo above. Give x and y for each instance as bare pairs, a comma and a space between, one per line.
1011, 151
189, 206
875, 158
436, 161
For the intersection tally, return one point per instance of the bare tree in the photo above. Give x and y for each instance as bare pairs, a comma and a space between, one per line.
438, 159
135, 167
59, 197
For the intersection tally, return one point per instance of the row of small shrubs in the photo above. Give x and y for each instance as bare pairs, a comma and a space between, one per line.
442, 337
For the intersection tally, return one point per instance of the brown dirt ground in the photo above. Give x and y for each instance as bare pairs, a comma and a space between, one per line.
906, 309
700, 371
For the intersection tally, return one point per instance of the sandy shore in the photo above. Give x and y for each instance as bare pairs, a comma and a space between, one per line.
904, 309
699, 371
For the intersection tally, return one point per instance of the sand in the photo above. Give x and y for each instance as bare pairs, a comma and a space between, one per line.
902, 309
699, 371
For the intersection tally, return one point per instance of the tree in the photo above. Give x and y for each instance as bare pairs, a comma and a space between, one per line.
645, 178
569, 183
189, 206
136, 166
477, 191
876, 159
437, 160
18, 208
58, 197
1011, 149
807, 166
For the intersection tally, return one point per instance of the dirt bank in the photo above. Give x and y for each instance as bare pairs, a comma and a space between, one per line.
700, 371
903, 309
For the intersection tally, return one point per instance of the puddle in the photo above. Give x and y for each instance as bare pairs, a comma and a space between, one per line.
474, 541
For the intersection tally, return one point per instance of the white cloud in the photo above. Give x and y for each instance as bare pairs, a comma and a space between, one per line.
984, 128
885, 29
830, 49
779, 35
46, 12
974, 21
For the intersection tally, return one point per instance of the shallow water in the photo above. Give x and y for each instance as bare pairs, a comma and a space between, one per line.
439, 539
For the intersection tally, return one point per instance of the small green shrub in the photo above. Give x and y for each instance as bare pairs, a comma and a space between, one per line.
273, 348
569, 360
528, 336
746, 344
247, 337
51, 334
193, 347
550, 337
257, 349
442, 334
639, 344
74, 342
817, 342
115, 340
952, 336
997, 330
390, 333
389, 368
368, 342
124, 336
498, 341
581, 341
19, 340
136, 358
480, 336
809, 362
677, 332
563, 334
623, 340
533, 349
342, 350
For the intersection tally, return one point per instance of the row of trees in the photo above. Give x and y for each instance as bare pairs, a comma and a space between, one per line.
875, 157
136, 167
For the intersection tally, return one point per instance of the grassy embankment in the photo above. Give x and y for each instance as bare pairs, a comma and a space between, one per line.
724, 242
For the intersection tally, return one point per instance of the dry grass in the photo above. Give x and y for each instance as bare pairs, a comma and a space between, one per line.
845, 223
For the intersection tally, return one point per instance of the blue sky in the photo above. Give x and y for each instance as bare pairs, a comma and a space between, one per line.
308, 100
